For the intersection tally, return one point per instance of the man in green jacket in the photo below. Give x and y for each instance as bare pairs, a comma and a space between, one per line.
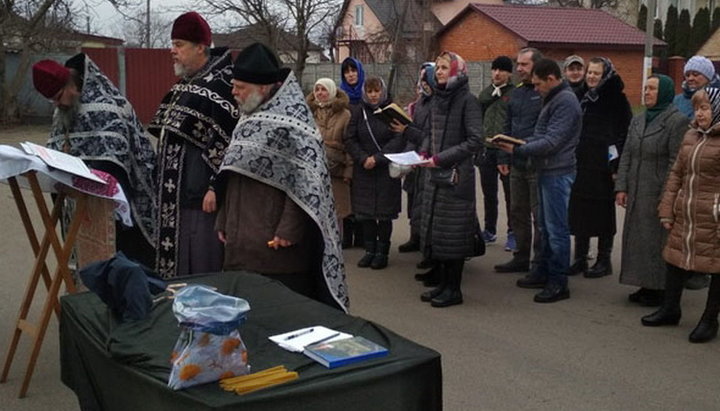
493, 100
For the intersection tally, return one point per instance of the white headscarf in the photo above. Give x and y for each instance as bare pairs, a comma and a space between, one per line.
330, 86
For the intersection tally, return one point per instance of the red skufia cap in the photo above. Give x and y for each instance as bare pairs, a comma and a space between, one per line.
192, 27
49, 77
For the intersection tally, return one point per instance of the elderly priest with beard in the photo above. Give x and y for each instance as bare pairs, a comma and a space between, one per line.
276, 214
94, 122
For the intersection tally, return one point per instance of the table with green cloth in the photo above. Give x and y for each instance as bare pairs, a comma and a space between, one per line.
125, 366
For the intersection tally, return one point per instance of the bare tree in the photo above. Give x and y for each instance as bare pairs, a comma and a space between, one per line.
26, 27
136, 26
302, 18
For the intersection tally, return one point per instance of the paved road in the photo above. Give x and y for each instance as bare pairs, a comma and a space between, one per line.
500, 350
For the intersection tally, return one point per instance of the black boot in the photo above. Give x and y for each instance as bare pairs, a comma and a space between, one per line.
413, 244
427, 296
669, 313
347, 240
380, 260
603, 265
358, 234
451, 295
580, 265
707, 328
369, 256
430, 278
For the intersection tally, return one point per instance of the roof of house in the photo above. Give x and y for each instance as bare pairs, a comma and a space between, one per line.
560, 25
388, 13
248, 35
711, 47
86, 37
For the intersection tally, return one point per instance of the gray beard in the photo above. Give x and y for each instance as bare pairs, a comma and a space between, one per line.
65, 117
253, 102
180, 70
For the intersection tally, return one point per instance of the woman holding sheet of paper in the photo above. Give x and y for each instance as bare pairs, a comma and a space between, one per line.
375, 195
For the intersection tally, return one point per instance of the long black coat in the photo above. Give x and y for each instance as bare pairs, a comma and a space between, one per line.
374, 193
449, 218
605, 123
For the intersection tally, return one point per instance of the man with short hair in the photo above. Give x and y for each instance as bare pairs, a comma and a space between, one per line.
193, 124
276, 214
699, 72
96, 123
493, 102
522, 113
552, 150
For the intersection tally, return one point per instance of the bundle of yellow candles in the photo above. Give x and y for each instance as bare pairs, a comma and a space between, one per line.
259, 380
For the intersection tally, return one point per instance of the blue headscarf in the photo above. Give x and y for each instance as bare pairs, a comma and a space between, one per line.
427, 74
354, 92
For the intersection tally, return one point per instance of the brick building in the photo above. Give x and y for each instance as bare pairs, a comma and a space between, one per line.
482, 32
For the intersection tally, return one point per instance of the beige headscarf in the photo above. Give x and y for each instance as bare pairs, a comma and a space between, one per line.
330, 86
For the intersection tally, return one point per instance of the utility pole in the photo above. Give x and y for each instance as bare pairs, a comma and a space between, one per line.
147, 25
649, 41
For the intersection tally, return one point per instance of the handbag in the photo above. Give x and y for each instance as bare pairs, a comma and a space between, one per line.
444, 177
478, 242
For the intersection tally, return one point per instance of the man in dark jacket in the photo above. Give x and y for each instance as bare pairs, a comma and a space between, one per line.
522, 113
493, 102
552, 151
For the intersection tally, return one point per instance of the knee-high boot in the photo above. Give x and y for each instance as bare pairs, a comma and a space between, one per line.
707, 328
669, 313
441, 275
582, 246
603, 264
369, 228
451, 295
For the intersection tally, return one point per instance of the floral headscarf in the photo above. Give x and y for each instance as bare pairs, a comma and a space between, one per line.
458, 68
608, 72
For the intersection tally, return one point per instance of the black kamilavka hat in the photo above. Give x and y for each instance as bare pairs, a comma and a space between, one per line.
257, 64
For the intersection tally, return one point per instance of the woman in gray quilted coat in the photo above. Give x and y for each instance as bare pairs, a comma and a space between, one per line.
450, 227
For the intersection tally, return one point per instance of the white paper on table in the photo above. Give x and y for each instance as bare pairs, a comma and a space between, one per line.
408, 158
61, 161
307, 336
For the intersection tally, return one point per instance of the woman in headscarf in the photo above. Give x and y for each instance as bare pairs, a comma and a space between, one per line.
653, 140
353, 79
413, 183
606, 116
330, 109
375, 195
450, 226
351, 82
690, 210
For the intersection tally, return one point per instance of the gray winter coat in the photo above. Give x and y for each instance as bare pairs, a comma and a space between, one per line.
449, 218
644, 165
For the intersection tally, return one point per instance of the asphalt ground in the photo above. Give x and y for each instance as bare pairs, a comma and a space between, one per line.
500, 350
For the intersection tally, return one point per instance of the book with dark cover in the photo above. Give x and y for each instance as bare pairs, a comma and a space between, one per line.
343, 352
392, 112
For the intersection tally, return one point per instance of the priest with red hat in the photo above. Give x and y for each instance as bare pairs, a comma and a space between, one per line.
95, 122
193, 124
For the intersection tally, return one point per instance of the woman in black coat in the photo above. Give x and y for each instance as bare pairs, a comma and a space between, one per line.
375, 196
606, 117
449, 220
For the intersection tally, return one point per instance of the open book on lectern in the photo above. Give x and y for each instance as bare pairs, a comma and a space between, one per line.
61, 161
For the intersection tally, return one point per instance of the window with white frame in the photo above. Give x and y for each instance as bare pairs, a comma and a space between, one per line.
359, 15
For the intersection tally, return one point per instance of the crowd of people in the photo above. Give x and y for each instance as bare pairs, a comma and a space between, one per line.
251, 174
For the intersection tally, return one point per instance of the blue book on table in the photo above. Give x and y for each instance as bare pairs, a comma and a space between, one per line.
343, 352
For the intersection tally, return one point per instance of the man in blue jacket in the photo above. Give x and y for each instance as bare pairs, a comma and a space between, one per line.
522, 114
551, 150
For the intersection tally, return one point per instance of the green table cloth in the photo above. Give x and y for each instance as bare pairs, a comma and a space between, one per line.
125, 366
